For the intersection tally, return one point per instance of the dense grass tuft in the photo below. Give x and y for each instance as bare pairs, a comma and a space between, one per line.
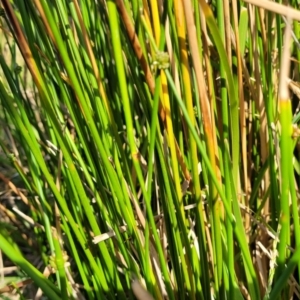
149, 149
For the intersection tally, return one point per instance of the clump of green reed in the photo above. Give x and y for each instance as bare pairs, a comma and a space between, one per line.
154, 160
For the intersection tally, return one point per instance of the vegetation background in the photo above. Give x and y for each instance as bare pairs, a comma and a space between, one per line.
149, 149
